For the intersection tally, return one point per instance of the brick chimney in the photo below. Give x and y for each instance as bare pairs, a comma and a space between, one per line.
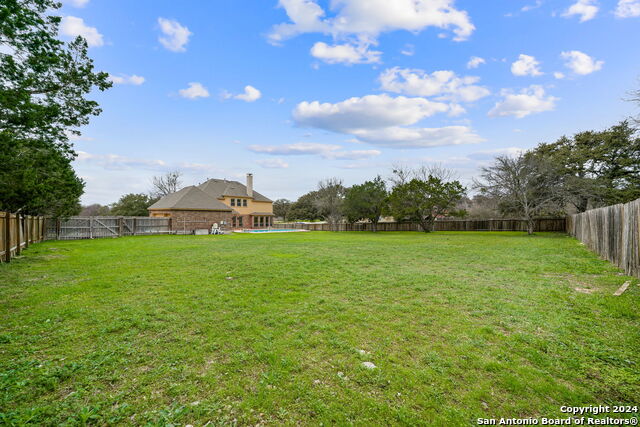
250, 184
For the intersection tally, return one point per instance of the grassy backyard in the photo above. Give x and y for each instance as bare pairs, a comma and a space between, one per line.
273, 329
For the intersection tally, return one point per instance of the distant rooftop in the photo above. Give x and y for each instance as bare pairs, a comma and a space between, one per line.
219, 188
190, 197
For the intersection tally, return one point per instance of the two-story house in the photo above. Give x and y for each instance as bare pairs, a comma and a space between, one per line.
227, 203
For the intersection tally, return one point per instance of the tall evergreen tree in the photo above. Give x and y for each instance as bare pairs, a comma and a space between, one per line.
43, 88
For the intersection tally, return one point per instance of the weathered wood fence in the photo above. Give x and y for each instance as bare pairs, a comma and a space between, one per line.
541, 224
613, 232
17, 232
93, 227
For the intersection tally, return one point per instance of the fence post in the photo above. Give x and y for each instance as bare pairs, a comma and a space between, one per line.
7, 236
18, 238
25, 220
120, 226
58, 226
135, 226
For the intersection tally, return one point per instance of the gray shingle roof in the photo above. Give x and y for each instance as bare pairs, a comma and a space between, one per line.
190, 198
221, 187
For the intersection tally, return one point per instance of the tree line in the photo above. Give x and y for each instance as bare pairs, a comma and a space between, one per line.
136, 204
587, 170
45, 82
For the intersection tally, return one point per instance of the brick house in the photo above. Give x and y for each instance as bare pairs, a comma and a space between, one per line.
230, 204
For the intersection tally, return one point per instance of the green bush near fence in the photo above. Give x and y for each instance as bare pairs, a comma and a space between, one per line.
274, 329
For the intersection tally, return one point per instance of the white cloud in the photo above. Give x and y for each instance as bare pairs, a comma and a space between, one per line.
628, 9
444, 84
382, 120
558, 75
580, 62
475, 62
76, 3
73, 26
406, 137
299, 148
530, 100
250, 94
117, 162
491, 154
345, 53
371, 111
124, 79
353, 154
587, 10
526, 65
195, 90
366, 19
409, 50
529, 7
273, 163
327, 151
176, 35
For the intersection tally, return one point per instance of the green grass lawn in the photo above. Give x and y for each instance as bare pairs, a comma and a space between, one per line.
273, 329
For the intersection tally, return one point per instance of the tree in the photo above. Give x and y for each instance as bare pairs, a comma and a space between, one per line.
305, 208
598, 168
132, 205
402, 173
525, 185
423, 201
281, 208
329, 200
166, 184
43, 84
36, 178
366, 201
635, 97
95, 209
483, 207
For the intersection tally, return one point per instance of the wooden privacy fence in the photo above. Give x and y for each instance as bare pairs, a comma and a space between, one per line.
613, 232
93, 227
541, 224
17, 232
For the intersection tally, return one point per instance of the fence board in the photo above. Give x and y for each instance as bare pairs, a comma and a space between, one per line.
613, 232
17, 232
541, 224
79, 227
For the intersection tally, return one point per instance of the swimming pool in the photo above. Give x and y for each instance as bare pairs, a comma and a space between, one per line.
273, 230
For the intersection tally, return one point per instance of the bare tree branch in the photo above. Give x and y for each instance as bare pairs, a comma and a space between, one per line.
165, 184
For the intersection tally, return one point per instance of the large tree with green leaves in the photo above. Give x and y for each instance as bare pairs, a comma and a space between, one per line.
305, 208
598, 167
132, 205
366, 201
424, 200
43, 87
281, 208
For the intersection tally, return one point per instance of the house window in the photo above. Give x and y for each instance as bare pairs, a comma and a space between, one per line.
233, 221
233, 202
239, 221
244, 202
255, 221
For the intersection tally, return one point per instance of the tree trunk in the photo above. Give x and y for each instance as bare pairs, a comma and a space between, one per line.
374, 226
530, 226
427, 226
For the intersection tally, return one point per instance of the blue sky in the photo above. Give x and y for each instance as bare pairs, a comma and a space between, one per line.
295, 91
